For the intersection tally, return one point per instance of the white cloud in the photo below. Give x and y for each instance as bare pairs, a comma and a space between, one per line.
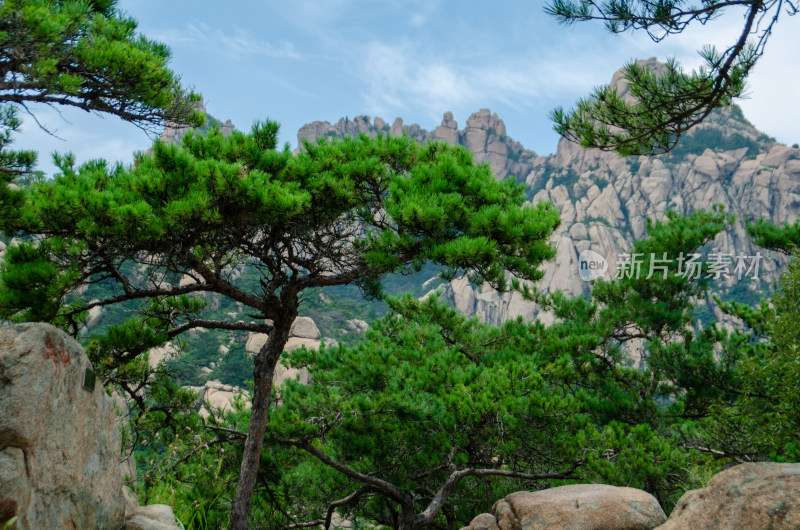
398, 77
426, 77
233, 43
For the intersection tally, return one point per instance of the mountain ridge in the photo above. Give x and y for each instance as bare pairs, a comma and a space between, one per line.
605, 200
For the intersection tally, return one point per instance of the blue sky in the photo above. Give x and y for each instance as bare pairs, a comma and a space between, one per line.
306, 60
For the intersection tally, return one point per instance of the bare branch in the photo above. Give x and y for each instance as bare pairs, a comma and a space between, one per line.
444, 492
382, 486
232, 432
220, 324
218, 439
341, 502
403, 497
740, 458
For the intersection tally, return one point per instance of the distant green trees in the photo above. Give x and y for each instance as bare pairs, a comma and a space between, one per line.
698, 140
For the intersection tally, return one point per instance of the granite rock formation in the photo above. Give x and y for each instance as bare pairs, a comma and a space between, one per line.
605, 200
60, 444
151, 517
577, 507
752, 495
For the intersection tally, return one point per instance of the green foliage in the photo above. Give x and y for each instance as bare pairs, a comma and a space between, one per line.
337, 213
564, 177
642, 456
429, 389
235, 368
13, 164
644, 375
764, 421
85, 55
184, 205
635, 164
88, 55
653, 123
782, 238
764, 137
623, 384
515, 153
199, 488
32, 284
660, 106
622, 381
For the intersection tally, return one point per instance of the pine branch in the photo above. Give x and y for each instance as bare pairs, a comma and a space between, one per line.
404, 497
666, 105
447, 488
387, 488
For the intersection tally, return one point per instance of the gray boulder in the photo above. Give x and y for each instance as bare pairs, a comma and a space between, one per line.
746, 497
575, 507
152, 517
484, 521
305, 328
60, 448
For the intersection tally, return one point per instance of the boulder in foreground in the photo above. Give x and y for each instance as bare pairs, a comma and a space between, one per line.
151, 517
574, 507
750, 496
60, 447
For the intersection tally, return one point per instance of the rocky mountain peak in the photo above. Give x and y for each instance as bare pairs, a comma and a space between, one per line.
484, 135
486, 121
619, 82
605, 200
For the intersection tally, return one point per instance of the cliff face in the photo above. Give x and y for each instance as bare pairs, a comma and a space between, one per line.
605, 200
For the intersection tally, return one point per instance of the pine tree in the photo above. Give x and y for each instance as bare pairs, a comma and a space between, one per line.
416, 420
435, 413
337, 213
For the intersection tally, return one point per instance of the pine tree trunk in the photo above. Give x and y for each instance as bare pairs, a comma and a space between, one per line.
407, 517
263, 370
